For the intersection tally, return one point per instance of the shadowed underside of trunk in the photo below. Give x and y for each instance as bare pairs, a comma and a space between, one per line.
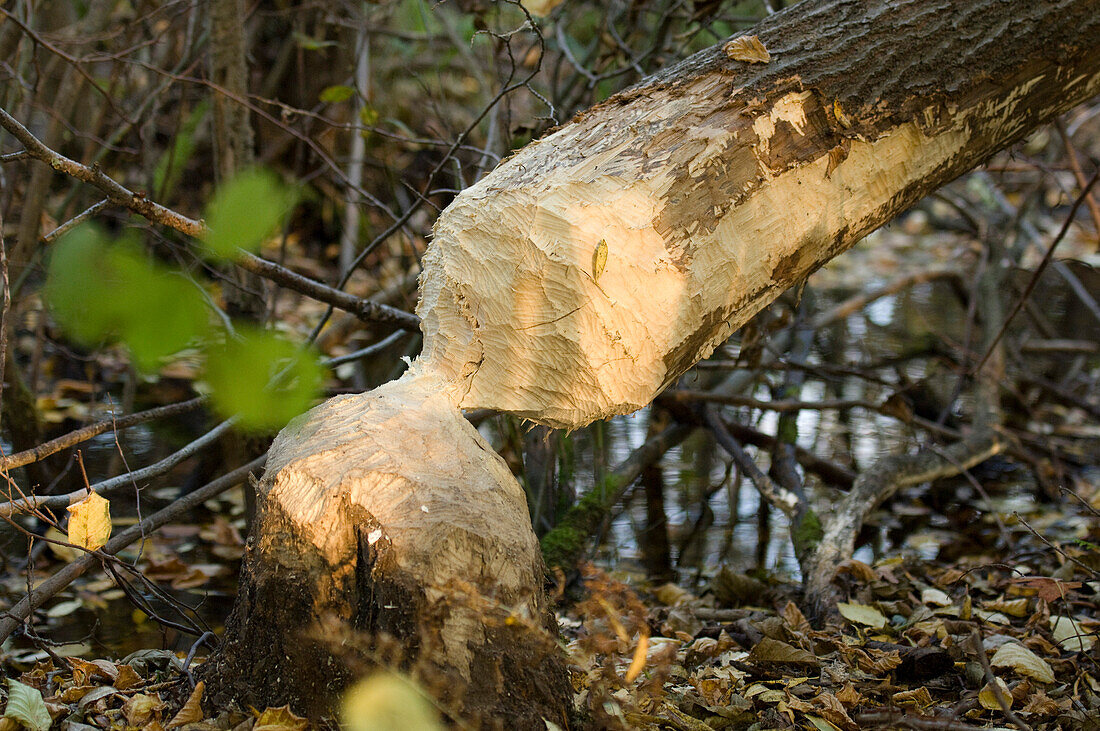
575, 282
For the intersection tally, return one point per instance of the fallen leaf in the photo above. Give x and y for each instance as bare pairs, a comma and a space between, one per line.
748, 49
127, 678
935, 597
861, 614
768, 650
25, 705
90, 522
1046, 588
821, 724
1015, 656
670, 594
988, 697
794, 618
1069, 634
638, 663
1011, 607
140, 709
919, 697
280, 719
192, 709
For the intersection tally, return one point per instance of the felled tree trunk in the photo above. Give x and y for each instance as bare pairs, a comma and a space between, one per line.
583, 276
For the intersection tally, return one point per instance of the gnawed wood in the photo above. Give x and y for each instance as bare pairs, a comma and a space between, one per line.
582, 277
714, 190
388, 512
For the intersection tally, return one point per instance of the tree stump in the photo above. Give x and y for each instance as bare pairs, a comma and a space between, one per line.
386, 516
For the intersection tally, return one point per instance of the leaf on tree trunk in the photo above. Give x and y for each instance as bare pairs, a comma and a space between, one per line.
748, 49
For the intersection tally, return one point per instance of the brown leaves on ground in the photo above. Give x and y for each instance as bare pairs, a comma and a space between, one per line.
903, 652
102, 694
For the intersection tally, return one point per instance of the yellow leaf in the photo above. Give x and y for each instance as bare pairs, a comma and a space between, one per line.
192, 709
280, 719
1071, 635
388, 701
540, 8
1023, 661
988, 697
90, 522
599, 260
748, 49
919, 697
861, 614
638, 663
139, 710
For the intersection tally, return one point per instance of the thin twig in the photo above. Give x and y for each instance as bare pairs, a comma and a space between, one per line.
1078, 173
778, 496
76, 220
4, 312
83, 434
138, 203
1038, 271
993, 682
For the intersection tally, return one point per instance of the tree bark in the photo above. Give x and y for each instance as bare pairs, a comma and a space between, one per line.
578, 280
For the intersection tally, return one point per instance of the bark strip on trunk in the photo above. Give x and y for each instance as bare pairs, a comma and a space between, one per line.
717, 184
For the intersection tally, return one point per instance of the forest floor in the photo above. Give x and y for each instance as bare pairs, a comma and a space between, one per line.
1009, 602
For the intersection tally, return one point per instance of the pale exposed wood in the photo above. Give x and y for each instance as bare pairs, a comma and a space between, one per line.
389, 512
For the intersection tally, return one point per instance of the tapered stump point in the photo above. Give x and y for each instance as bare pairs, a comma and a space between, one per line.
388, 513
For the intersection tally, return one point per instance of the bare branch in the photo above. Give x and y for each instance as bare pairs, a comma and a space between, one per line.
83, 434
138, 203
106, 487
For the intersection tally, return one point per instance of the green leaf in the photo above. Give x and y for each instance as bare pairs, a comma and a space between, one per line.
98, 291
159, 311
263, 380
26, 706
387, 700
311, 44
337, 94
368, 115
79, 285
244, 211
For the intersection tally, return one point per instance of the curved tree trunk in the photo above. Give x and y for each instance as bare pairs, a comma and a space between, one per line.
579, 279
